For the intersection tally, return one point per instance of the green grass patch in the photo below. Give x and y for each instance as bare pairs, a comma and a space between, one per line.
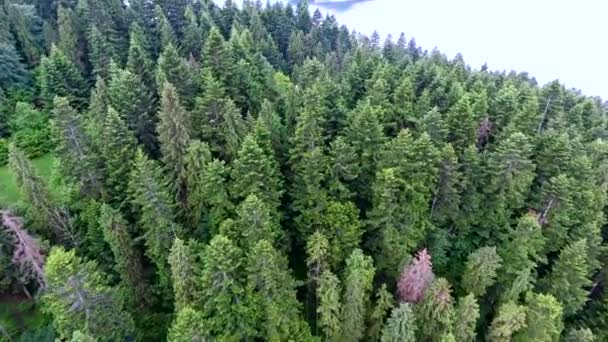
9, 193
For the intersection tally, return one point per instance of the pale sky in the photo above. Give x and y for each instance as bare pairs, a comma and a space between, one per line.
550, 39
565, 40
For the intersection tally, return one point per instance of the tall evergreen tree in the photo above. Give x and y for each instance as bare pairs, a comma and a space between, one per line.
174, 137
126, 256
59, 77
543, 319
79, 299
225, 301
510, 319
465, 319
184, 272
401, 326
149, 195
357, 287
480, 270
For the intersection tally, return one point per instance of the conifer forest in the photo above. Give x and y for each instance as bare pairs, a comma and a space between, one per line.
261, 172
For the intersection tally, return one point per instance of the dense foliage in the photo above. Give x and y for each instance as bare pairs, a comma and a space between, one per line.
261, 173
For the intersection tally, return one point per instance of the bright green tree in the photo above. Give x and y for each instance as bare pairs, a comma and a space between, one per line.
184, 272
126, 256
436, 310
226, 303
543, 319
401, 325
150, 197
568, 280
510, 319
174, 137
255, 172
481, 270
329, 309
188, 326
78, 298
59, 77
465, 319
359, 275
274, 289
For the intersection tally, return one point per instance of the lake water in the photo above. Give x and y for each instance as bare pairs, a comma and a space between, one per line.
550, 39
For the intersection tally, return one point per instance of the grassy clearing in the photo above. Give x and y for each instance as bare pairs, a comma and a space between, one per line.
9, 193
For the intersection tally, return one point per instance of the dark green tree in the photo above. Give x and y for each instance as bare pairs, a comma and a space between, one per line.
59, 77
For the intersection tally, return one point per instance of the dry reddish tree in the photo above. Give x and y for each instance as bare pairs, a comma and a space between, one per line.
415, 278
27, 255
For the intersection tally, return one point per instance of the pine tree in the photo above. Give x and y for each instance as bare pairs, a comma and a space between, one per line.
196, 161
46, 212
215, 190
117, 152
447, 199
461, 124
59, 77
184, 272
79, 299
129, 96
384, 304
79, 162
543, 319
193, 35
126, 256
174, 137
12, 71
275, 290
150, 197
254, 172
364, 131
254, 223
329, 309
357, 286
511, 318
188, 326
225, 300
465, 319
401, 325
175, 70
436, 310
139, 61
480, 271
520, 253
568, 280
343, 230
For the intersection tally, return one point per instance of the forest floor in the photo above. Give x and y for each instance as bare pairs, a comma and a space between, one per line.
9, 193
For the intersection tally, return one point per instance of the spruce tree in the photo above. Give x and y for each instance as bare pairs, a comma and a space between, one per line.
342, 228
129, 96
174, 137
329, 309
401, 325
126, 256
184, 272
359, 275
196, 161
215, 190
226, 303
543, 319
189, 325
568, 280
465, 319
254, 172
175, 70
79, 161
79, 299
254, 222
149, 195
511, 318
59, 77
384, 303
274, 290
480, 271
193, 35
117, 152
436, 310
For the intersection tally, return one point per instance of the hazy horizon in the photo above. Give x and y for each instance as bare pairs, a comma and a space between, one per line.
548, 39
